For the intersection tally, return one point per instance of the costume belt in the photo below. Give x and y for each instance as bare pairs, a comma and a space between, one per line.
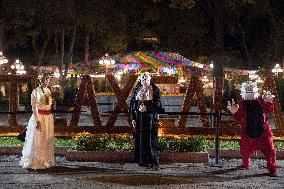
44, 112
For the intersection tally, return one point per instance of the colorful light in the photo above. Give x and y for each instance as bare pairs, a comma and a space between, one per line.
160, 60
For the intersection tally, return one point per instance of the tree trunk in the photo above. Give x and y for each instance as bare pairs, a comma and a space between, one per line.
1, 35
275, 31
73, 37
40, 59
61, 65
44, 47
244, 44
40, 51
216, 8
282, 66
56, 43
35, 48
87, 47
72, 42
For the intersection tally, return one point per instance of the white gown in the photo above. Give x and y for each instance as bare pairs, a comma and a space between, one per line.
38, 150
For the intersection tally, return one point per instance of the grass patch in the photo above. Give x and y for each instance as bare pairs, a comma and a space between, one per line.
13, 141
279, 145
10, 141
59, 142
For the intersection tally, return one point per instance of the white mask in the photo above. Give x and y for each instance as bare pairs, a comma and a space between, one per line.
249, 91
145, 79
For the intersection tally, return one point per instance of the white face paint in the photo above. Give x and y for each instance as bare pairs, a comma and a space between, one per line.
249, 96
249, 91
145, 82
145, 79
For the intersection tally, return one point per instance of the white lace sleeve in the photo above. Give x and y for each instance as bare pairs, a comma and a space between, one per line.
34, 109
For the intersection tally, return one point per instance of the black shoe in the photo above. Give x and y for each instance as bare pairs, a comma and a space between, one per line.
143, 164
273, 173
30, 169
155, 167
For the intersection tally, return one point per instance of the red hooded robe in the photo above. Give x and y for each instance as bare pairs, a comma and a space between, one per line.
263, 143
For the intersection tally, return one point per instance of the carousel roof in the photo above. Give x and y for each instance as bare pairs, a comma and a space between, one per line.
163, 62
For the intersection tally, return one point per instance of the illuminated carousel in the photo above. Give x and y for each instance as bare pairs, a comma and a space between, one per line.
170, 70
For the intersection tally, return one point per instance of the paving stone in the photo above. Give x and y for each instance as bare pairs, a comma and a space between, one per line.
73, 174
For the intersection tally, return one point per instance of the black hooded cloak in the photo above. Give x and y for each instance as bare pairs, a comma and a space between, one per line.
146, 131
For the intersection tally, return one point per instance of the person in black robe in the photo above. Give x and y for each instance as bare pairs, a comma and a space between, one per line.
145, 105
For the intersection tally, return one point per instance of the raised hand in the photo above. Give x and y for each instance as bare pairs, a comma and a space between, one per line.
142, 108
233, 107
133, 123
267, 96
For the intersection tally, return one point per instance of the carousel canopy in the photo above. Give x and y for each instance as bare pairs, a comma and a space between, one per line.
157, 62
166, 63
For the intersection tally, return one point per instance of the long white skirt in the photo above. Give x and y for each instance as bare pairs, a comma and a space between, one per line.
38, 150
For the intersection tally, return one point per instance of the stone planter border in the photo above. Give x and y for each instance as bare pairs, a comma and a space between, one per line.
127, 156
236, 154
116, 156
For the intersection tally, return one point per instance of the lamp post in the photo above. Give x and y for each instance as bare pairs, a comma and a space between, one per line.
107, 61
205, 79
18, 67
277, 69
3, 59
253, 75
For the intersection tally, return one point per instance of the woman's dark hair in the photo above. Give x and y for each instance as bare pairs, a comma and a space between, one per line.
43, 76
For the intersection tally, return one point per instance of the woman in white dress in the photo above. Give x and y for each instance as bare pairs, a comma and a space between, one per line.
38, 150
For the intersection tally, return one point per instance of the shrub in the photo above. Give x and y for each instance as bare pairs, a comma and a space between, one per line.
166, 144
279, 145
196, 144
86, 141
199, 143
119, 142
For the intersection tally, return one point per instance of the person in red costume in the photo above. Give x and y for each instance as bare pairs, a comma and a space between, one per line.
256, 134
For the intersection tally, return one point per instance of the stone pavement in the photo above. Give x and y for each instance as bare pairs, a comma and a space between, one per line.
87, 175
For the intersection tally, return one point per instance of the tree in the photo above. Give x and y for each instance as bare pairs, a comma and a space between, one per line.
28, 22
185, 31
104, 25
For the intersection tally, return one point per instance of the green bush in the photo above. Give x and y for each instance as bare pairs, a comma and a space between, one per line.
232, 145
59, 142
279, 145
10, 141
165, 144
119, 143
87, 141
196, 144
70, 91
199, 143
